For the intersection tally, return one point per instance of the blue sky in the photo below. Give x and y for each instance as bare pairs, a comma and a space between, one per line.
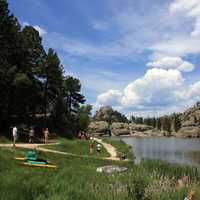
141, 57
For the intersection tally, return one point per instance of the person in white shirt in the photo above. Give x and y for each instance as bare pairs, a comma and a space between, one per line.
14, 133
99, 148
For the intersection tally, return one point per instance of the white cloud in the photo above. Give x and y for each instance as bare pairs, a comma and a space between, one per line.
163, 90
192, 92
172, 63
178, 46
186, 38
189, 8
157, 86
111, 97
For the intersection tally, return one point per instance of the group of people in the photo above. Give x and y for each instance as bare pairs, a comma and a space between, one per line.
31, 135
83, 135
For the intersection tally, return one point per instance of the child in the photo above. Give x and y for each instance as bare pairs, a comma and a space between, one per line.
91, 147
99, 148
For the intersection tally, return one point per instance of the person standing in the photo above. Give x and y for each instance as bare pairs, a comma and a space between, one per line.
46, 135
14, 133
91, 148
31, 135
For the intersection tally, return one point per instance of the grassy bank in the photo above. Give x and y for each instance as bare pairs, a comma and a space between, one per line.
79, 147
76, 178
5, 140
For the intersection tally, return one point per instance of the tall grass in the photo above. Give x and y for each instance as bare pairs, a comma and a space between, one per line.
176, 171
76, 178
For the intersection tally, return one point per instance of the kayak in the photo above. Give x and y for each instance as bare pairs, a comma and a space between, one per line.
35, 163
38, 165
19, 158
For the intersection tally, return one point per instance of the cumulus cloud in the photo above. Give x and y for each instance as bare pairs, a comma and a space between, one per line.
111, 97
192, 92
157, 86
172, 63
162, 89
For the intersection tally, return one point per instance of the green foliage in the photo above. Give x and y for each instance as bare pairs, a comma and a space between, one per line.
158, 123
71, 93
84, 115
139, 120
177, 122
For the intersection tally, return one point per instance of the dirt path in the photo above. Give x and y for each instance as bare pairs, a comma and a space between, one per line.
109, 148
27, 145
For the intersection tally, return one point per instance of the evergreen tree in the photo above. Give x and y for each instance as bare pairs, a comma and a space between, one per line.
9, 55
84, 115
71, 94
132, 119
139, 120
158, 123
177, 122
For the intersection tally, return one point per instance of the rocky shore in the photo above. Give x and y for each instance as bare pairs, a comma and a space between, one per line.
140, 130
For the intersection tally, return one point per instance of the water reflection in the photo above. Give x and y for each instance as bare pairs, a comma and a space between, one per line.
179, 150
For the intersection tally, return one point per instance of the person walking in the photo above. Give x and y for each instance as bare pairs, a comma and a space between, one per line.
99, 148
14, 134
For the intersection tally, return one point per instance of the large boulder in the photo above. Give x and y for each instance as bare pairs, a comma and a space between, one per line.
135, 128
111, 169
120, 128
98, 127
189, 131
109, 115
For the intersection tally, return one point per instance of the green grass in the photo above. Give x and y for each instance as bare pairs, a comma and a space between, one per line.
121, 146
76, 178
76, 146
5, 140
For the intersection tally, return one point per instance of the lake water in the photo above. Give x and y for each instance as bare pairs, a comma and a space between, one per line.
178, 150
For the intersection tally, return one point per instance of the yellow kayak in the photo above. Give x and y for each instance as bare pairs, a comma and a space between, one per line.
19, 158
31, 163
38, 165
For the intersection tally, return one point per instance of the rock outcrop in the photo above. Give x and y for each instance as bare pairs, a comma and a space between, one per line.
120, 128
109, 115
135, 128
189, 131
98, 127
